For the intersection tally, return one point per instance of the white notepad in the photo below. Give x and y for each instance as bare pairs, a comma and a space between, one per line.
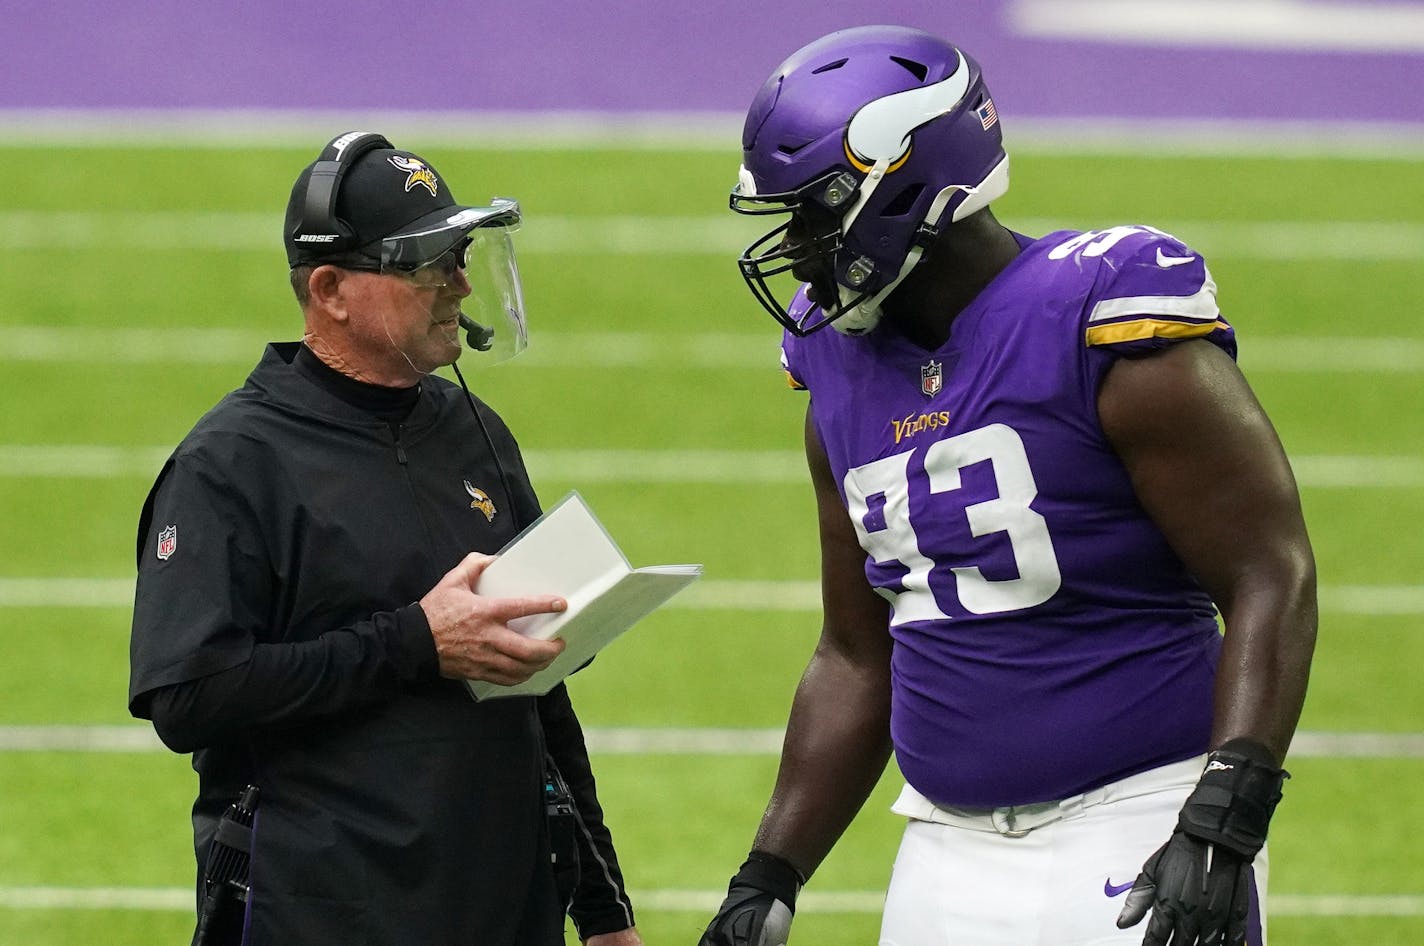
568, 552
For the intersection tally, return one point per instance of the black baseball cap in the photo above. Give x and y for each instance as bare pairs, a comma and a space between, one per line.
380, 208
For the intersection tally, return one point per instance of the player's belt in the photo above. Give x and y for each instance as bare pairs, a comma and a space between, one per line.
1012, 821
1015, 821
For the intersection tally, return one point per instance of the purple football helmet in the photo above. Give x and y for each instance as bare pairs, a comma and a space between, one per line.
888, 131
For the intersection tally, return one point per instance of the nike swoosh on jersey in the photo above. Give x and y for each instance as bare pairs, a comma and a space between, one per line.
1111, 889
1164, 260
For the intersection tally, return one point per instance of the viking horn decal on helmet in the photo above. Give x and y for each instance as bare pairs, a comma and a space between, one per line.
880, 131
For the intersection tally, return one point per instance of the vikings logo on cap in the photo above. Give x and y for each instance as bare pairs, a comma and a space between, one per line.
417, 172
480, 500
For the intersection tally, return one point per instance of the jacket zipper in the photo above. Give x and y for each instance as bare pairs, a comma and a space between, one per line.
398, 430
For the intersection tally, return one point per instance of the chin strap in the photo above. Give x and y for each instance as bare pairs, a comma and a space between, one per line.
861, 316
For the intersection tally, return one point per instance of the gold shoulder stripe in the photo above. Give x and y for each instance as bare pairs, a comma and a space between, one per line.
1140, 329
792, 383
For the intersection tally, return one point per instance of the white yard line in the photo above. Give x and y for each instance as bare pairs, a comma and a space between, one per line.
619, 350
674, 351
181, 899
731, 467
163, 899
671, 740
705, 595
722, 235
242, 129
1359, 26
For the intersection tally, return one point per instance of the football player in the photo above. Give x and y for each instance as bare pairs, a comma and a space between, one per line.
1041, 478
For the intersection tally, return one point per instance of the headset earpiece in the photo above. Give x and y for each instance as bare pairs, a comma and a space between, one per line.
319, 223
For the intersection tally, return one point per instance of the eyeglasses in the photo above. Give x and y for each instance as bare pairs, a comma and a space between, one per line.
436, 274
439, 272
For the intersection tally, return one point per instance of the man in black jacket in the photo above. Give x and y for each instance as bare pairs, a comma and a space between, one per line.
305, 610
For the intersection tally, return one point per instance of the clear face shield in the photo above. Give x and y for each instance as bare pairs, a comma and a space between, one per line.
464, 274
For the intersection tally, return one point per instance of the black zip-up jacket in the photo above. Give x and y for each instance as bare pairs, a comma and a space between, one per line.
276, 636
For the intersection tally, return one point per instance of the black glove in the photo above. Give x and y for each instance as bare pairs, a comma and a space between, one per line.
760, 902
1197, 884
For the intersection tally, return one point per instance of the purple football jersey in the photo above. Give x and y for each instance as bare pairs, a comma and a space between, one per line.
1047, 639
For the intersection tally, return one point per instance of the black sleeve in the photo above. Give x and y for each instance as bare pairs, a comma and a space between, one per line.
286, 684
204, 578
203, 666
601, 903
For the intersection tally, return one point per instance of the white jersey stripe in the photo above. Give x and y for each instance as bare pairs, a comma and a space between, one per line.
1198, 307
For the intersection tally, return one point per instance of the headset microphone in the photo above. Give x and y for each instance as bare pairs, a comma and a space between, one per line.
477, 336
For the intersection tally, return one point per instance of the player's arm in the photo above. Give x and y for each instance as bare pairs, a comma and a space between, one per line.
837, 738
1208, 467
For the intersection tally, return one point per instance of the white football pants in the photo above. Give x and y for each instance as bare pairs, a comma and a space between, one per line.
1038, 875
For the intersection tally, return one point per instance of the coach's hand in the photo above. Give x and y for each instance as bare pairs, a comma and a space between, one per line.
1198, 884
760, 902
473, 639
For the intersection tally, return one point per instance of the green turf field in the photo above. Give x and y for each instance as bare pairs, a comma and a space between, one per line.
139, 284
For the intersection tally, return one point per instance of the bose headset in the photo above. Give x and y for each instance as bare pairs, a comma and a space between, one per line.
320, 224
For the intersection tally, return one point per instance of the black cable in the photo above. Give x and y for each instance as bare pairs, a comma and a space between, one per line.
494, 451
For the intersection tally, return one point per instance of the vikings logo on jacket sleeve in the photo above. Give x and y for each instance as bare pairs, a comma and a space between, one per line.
1004, 531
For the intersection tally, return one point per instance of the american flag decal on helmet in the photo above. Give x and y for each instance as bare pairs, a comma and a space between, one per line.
987, 115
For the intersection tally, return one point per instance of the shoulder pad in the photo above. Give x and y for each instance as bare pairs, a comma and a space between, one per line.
1149, 288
